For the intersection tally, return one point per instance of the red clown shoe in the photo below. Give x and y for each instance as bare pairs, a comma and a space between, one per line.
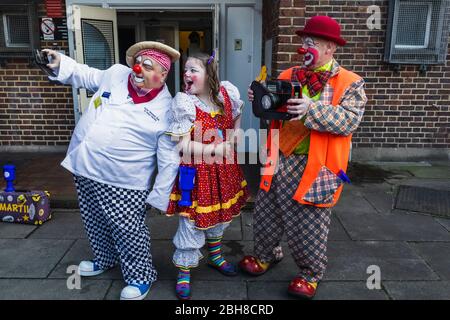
301, 288
254, 266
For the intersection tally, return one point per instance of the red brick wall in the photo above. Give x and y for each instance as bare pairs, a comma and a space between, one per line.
405, 109
34, 111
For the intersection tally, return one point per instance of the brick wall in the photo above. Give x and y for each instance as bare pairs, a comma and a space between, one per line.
405, 109
33, 111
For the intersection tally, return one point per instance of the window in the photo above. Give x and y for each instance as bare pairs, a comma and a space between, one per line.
417, 31
18, 29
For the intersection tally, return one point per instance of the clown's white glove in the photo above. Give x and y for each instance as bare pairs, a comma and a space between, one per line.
298, 107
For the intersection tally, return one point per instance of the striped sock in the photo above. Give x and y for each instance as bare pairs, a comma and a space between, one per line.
216, 258
183, 283
215, 251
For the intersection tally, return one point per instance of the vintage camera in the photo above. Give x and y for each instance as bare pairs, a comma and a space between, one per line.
41, 60
271, 98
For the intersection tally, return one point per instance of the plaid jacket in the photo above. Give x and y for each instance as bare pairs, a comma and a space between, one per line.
343, 119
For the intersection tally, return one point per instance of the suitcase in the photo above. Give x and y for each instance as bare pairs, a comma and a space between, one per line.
24, 206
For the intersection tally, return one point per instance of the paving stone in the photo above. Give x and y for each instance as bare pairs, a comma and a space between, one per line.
63, 225
162, 227
30, 258
434, 172
353, 205
275, 290
396, 226
201, 290
418, 290
436, 254
162, 252
52, 289
78, 252
15, 230
349, 260
379, 196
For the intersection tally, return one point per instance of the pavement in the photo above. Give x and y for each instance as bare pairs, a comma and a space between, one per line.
410, 249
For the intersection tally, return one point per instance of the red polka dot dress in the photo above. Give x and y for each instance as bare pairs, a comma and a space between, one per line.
220, 189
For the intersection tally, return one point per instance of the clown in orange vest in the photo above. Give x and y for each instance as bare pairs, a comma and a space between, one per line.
306, 170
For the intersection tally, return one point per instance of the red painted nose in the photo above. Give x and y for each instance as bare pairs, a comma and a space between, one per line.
302, 51
137, 68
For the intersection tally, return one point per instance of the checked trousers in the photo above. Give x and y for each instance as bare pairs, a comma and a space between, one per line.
114, 220
306, 227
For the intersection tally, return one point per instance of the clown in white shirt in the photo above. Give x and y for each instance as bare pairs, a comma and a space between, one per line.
115, 149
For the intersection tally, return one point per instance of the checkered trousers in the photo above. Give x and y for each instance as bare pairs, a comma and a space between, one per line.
114, 222
306, 226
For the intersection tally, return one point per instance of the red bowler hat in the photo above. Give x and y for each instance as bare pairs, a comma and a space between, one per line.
323, 27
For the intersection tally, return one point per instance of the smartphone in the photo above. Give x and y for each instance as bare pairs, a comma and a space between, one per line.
41, 59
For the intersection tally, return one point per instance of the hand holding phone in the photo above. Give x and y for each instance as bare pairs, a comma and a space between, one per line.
41, 58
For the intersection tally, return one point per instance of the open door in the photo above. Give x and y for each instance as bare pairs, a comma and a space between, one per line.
167, 33
96, 42
216, 27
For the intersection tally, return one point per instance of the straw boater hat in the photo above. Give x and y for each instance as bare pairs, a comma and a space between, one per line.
134, 49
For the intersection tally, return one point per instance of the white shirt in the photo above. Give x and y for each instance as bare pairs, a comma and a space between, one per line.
117, 142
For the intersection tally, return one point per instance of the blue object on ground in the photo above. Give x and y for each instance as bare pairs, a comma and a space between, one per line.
9, 173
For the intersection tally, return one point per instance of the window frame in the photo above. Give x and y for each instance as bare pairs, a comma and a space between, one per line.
20, 8
436, 52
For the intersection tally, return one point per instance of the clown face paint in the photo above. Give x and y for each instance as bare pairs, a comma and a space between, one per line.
194, 77
310, 51
147, 73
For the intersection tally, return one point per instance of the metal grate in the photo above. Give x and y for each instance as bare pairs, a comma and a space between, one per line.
98, 43
19, 33
425, 200
17, 30
418, 31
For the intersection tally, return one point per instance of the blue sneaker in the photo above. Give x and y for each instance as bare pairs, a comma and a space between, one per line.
89, 268
135, 291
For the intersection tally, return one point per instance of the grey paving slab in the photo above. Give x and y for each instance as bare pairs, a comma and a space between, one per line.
395, 226
379, 196
30, 258
434, 172
15, 230
418, 290
345, 290
349, 260
353, 205
78, 252
437, 255
52, 289
63, 225
201, 290
162, 251
337, 232
444, 222
163, 227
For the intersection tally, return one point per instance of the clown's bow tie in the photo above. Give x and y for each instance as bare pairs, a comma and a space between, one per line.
315, 80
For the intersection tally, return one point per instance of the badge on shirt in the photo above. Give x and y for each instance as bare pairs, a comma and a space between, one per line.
97, 102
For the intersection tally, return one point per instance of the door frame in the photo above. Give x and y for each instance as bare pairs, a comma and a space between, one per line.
141, 35
177, 5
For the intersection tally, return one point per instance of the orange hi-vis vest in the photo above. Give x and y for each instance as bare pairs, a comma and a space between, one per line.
326, 149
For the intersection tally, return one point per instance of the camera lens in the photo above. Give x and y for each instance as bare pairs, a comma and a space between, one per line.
266, 102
